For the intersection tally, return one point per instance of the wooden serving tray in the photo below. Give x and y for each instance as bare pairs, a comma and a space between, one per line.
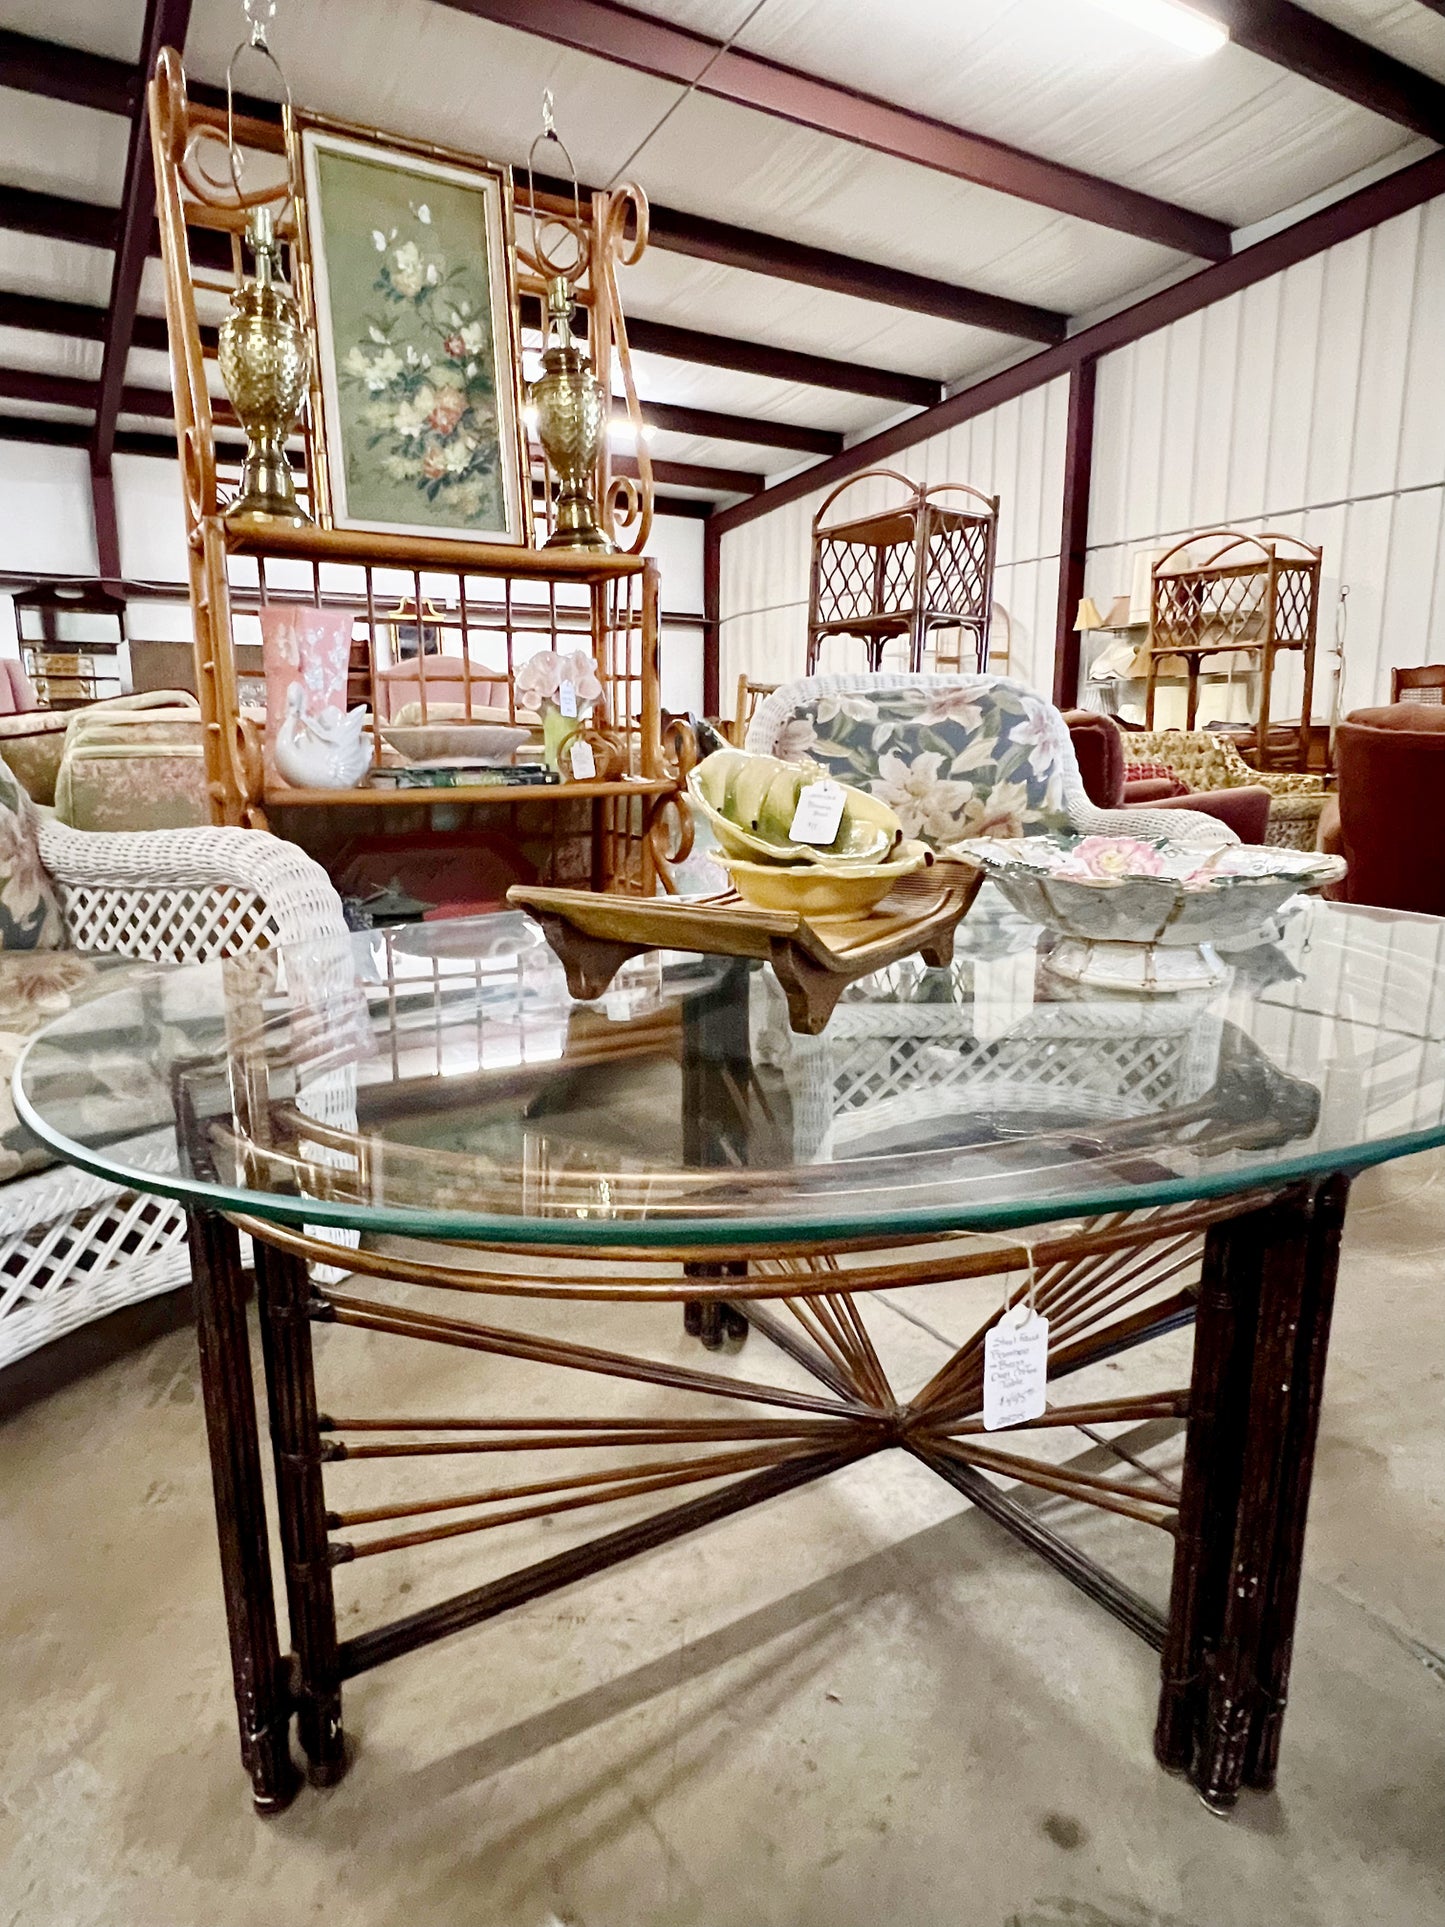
595, 934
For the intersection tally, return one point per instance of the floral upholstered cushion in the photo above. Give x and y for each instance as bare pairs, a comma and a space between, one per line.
29, 911
952, 760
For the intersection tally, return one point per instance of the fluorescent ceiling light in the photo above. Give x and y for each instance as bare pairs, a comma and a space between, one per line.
1183, 26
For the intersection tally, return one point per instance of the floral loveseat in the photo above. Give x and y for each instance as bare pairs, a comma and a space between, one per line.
955, 756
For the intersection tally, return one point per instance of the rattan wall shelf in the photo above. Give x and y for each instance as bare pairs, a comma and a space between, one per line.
490, 605
1227, 593
920, 571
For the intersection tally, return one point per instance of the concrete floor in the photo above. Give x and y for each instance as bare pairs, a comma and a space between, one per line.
860, 1703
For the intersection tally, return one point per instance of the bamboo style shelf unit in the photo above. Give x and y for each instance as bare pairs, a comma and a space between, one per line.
1225, 593
919, 571
487, 607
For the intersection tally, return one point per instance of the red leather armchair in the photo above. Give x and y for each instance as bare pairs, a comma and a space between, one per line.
1099, 746
1385, 819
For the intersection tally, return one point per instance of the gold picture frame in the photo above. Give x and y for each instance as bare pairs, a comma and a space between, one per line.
405, 274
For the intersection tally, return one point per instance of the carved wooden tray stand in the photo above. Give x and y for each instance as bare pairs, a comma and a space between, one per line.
594, 936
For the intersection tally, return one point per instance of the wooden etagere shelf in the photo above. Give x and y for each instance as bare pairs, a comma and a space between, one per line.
486, 606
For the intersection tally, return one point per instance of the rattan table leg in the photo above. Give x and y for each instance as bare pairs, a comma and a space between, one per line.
1246, 1623
1293, 1492
263, 1705
283, 1291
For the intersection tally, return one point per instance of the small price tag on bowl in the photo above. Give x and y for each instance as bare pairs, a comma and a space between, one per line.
819, 812
584, 763
1015, 1368
567, 699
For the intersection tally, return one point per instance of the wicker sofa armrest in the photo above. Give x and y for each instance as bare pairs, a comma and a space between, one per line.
186, 896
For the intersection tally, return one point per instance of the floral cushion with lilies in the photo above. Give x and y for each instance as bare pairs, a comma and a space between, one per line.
952, 762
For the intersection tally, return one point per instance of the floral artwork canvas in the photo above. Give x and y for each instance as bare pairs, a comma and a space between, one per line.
410, 281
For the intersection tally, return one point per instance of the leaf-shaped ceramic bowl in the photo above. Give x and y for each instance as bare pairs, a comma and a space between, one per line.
823, 892
749, 802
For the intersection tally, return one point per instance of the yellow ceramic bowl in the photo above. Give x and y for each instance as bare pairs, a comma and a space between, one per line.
823, 894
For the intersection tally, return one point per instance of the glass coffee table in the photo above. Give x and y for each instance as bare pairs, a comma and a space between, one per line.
425, 1139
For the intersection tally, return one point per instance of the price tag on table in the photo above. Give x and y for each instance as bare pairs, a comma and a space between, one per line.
1015, 1368
584, 763
819, 812
567, 699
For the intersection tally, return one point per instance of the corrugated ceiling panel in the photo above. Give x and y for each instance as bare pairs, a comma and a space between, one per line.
1071, 82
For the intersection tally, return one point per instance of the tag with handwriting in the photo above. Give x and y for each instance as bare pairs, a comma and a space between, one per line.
567, 699
1015, 1369
584, 763
819, 812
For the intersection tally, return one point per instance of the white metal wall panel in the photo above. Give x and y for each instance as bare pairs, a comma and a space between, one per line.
1315, 403
1015, 452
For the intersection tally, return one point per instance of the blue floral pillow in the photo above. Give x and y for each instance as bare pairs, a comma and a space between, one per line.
952, 761
30, 916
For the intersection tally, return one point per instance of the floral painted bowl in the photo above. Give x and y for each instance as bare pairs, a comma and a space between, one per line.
823, 893
1145, 913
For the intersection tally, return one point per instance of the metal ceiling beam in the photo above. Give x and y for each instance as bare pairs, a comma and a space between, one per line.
165, 25
66, 73
653, 46
1397, 194
779, 364
1292, 37
717, 481
130, 441
719, 427
56, 217
40, 66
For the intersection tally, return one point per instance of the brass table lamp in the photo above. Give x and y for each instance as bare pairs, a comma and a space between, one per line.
265, 362
572, 409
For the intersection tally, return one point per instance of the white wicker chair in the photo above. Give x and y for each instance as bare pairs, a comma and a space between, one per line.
73, 1247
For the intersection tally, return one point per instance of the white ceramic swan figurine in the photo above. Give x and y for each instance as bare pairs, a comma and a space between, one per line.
325, 752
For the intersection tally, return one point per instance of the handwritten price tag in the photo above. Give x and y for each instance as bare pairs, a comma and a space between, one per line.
819, 812
1015, 1369
584, 763
567, 699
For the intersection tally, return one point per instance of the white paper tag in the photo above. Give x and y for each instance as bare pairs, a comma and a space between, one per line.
567, 699
1015, 1369
819, 812
584, 763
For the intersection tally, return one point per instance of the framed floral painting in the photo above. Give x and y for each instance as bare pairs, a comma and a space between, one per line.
405, 270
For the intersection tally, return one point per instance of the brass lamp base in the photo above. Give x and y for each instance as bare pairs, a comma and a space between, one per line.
267, 492
577, 526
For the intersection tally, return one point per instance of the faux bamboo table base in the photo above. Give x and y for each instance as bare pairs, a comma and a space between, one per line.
1178, 1162
1262, 1299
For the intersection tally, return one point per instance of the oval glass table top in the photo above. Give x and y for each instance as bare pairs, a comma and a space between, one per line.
437, 1080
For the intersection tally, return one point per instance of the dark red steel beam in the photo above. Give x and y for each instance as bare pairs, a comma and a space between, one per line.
719, 481
165, 26
1292, 37
653, 46
39, 314
1398, 193
720, 427
40, 66
734, 247
56, 217
711, 612
67, 73
779, 364
1074, 531
53, 391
